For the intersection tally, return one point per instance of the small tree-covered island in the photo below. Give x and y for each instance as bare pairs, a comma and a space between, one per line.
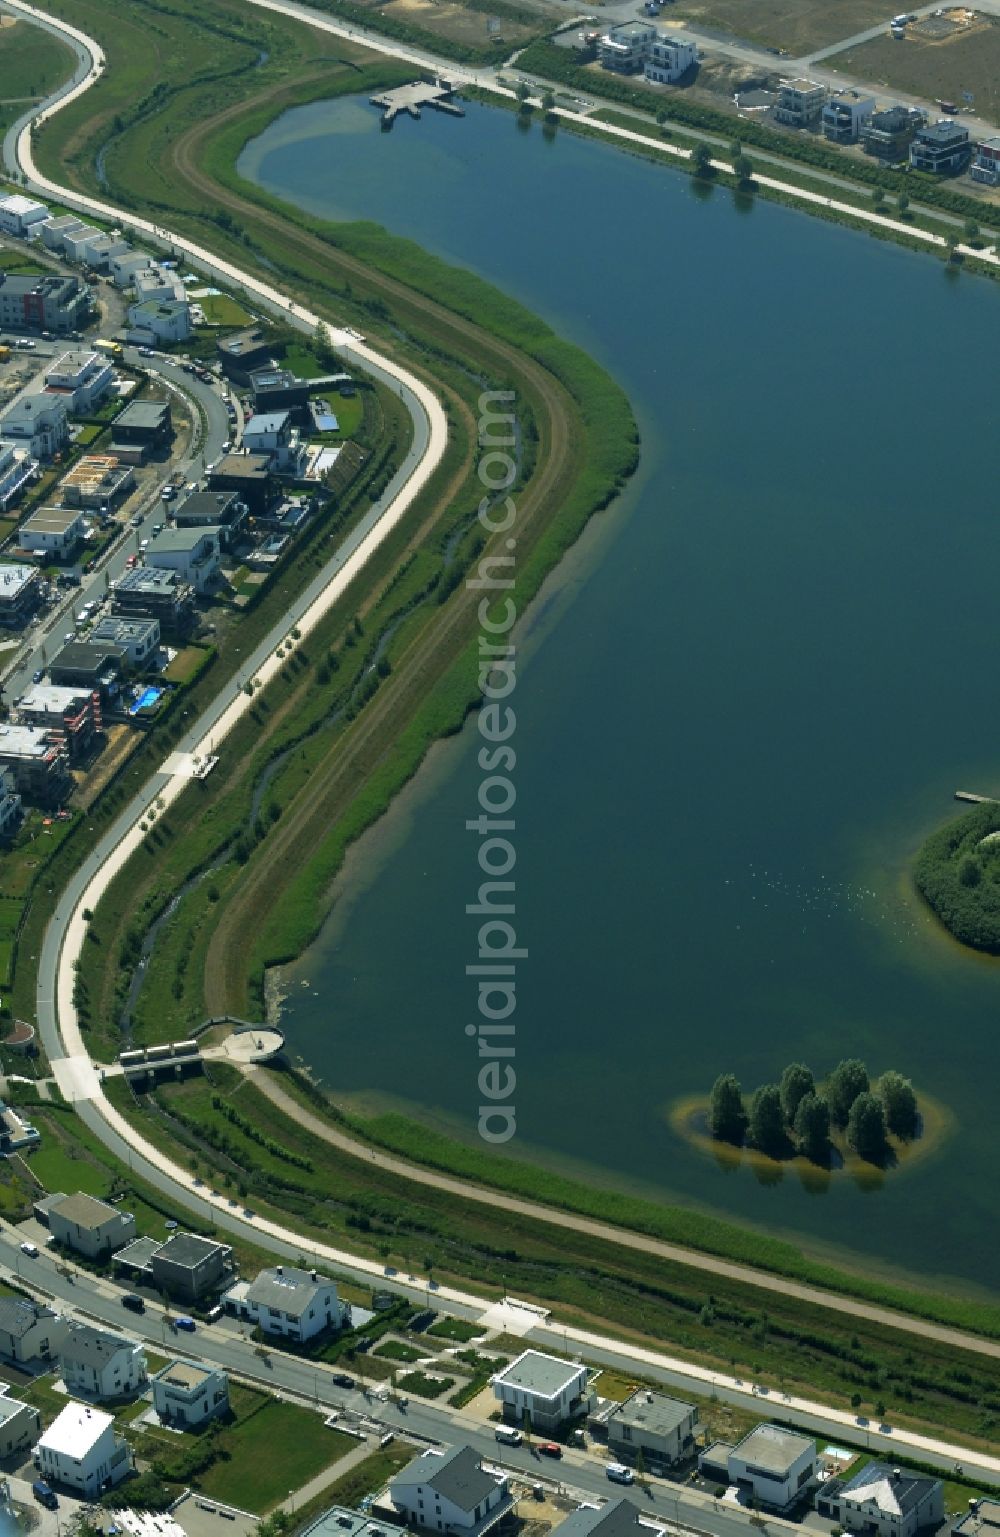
798, 1117
958, 875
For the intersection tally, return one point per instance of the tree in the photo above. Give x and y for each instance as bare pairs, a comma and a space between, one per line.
548, 101
902, 202
878, 197
736, 149
900, 1104
767, 1124
848, 1079
969, 871
796, 1082
971, 229
812, 1128
866, 1127
522, 93
701, 159
727, 1116
743, 170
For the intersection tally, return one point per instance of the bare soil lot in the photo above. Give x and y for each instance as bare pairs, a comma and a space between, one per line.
967, 58
798, 26
462, 24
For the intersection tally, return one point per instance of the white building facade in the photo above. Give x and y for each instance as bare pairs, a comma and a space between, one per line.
102, 1364
81, 1450
669, 58
38, 423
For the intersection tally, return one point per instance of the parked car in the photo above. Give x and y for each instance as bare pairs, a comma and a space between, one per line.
37, 675
549, 1449
185, 1323
133, 1302
364, 1343
44, 1494
31, 1249
342, 1380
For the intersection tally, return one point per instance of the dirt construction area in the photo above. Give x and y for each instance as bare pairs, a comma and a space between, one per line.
940, 59
797, 26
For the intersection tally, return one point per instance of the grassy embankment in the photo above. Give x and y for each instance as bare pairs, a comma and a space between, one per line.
32, 63
957, 872
230, 1127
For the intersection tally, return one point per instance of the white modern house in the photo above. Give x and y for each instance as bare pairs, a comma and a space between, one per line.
81, 379
80, 1449
20, 1424
55, 231
125, 265
624, 49
52, 531
288, 1301
449, 1491
187, 1395
159, 320
884, 1500
157, 283
22, 215
100, 1363
82, 1222
845, 115
37, 422
17, 470
545, 1388
773, 1466
77, 243
194, 553
669, 58
274, 433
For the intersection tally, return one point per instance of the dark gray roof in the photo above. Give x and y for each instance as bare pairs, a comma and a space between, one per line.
78, 654
18, 1315
656, 1413
618, 1518
206, 507
894, 1495
189, 1250
142, 413
456, 1475
92, 1347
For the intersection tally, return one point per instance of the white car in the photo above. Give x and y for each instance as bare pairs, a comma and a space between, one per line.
30, 1249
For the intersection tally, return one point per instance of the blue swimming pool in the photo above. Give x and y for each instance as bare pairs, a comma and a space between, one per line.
145, 701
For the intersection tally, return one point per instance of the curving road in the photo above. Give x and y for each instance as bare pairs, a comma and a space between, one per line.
78, 1076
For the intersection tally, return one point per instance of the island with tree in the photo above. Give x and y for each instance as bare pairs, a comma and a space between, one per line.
818, 1121
957, 873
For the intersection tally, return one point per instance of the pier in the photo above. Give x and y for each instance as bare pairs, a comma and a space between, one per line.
977, 800
412, 98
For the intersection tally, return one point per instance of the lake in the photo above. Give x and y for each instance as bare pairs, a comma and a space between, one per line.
744, 700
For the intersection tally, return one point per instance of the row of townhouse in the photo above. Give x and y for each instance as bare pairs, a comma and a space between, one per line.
639, 48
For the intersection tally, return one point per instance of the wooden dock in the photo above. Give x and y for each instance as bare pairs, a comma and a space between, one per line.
976, 800
413, 98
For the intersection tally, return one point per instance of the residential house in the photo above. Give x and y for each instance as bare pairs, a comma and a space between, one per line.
95, 667
275, 389
37, 422
81, 1451
274, 434
616, 1518
96, 482
72, 714
21, 215
17, 470
159, 320
213, 509
20, 1425
845, 115
884, 1500
54, 232
663, 1429
20, 594
985, 165
77, 242
888, 134
799, 103
82, 379
545, 1388
669, 58
100, 1363
164, 595
29, 1331
99, 253
192, 552
142, 428
624, 49
91, 1227
125, 265
159, 283
50, 303
244, 352
450, 1491
774, 1466
54, 531
138, 638
190, 1267
942, 148
287, 1301
250, 476
38, 761
187, 1395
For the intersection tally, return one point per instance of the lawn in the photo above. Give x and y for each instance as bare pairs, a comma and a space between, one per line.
367, 1477
455, 1329
302, 362
424, 1386
798, 26
32, 62
349, 411
221, 310
968, 60
279, 1448
395, 1350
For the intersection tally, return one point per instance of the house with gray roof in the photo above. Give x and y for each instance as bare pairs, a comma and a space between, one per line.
20, 1425
616, 1518
545, 1388
29, 1331
100, 1363
186, 1394
450, 1491
773, 1466
91, 1227
287, 1301
191, 1267
662, 1428
890, 1501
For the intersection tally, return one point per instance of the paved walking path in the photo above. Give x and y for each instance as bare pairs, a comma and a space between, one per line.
328, 1476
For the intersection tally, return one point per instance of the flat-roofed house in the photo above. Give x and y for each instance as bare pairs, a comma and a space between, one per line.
774, 1465
82, 379
91, 1227
191, 1267
57, 531
662, 1428
194, 553
38, 761
163, 595
38, 422
546, 1388
20, 594
81, 1450
186, 1394
20, 1425
72, 713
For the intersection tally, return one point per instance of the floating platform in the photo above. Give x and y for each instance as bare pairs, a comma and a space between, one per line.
977, 800
413, 98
